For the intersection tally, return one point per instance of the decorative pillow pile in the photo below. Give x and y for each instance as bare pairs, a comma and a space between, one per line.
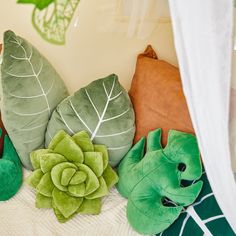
71, 176
31, 89
104, 109
204, 217
152, 183
157, 97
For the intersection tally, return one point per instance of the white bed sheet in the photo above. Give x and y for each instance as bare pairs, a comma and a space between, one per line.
20, 217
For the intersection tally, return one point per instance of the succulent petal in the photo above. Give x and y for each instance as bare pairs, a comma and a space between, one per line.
59, 215
83, 140
43, 201
36, 155
45, 186
65, 145
34, 179
49, 160
100, 192
78, 178
77, 190
94, 160
66, 204
92, 183
103, 150
110, 177
67, 174
91, 206
57, 171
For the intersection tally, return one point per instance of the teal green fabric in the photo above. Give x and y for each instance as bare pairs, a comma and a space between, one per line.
209, 212
152, 182
10, 170
31, 89
104, 109
71, 176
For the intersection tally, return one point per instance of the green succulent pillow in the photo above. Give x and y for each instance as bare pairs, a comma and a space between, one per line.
152, 183
71, 176
104, 110
31, 89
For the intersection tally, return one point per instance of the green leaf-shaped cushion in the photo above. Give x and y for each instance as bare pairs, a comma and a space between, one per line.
102, 108
10, 171
151, 181
31, 89
204, 217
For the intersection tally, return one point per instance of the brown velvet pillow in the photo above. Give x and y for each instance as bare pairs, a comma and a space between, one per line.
157, 96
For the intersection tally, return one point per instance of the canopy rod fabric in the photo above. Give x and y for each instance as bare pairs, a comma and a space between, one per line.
203, 33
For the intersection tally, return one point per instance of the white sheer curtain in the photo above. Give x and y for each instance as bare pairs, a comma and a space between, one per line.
136, 18
203, 40
232, 127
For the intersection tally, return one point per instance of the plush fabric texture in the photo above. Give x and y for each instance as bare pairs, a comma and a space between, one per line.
10, 170
31, 89
71, 176
104, 109
4, 132
157, 96
208, 219
152, 183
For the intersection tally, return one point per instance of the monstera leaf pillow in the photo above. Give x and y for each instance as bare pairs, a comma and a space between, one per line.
152, 182
102, 108
31, 89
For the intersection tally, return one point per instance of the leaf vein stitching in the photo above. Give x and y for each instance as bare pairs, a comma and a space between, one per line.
92, 103
114, 117
104, 110
115, 134
68, 127
29, 114
79, 117
36, 75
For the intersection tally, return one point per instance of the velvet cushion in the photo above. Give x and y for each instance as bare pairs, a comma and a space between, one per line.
205, 214
10, 166
157, 96
104, 109
153, 182
71, 176
31, 89
10, 170
1, 123
4, 132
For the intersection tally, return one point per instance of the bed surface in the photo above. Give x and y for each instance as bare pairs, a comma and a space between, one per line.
20, 217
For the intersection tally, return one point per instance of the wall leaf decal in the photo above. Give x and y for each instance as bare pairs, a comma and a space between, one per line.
40, 4
51, 18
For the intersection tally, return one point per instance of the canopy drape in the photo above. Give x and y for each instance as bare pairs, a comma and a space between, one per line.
203, 33
131, 17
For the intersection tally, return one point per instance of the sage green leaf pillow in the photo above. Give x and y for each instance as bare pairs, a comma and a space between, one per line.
31, 89
102, 108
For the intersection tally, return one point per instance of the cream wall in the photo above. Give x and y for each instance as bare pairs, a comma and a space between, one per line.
88, 54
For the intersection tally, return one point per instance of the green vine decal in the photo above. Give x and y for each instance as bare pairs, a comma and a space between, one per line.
51, 18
